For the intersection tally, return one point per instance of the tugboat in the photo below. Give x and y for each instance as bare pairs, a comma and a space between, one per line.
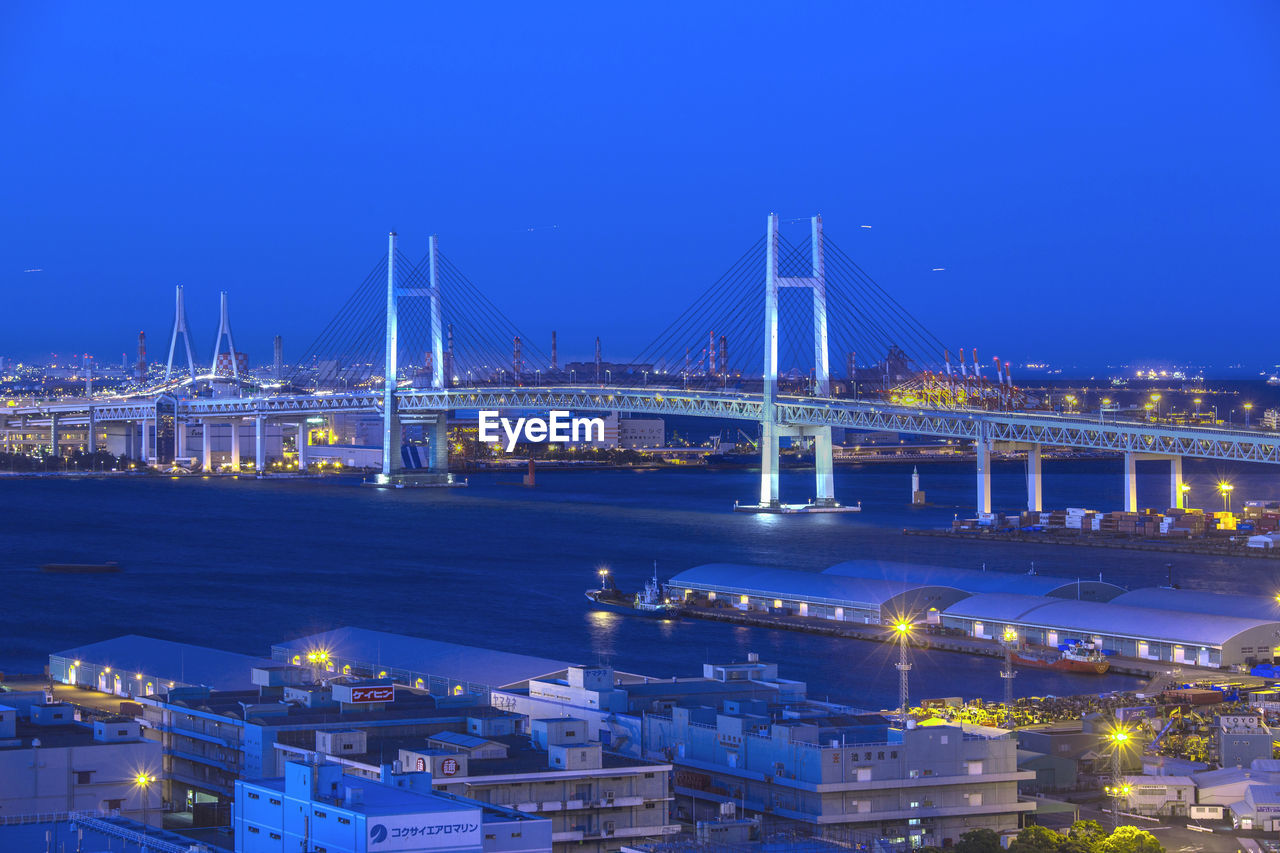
648, 602
1084, 658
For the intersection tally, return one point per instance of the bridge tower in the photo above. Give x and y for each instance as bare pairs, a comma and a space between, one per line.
437, 423
180, 328
772, 429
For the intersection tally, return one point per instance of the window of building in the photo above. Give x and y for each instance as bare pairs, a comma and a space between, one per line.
516, 834
893, 754
320, 814
253, 796
114, 805
880, 756
975, 798
344, 820
866, 757
975, 768
255, 829
274, 801
489, 836
84, 777
651, 805
274, 835
648, 775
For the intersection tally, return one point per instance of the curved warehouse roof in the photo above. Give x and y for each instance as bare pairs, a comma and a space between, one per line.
1202, 601
1107, 618
974, 581
813, 587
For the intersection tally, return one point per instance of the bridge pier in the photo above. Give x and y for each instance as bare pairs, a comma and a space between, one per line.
982, 449
1177, 495
235, 446
301, 442
206, 447
439, 433
259, 445
54, 448
91, 442
179, 438
1130, 481
824, 465
1035, 483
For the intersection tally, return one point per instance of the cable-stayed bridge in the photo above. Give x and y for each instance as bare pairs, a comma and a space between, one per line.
795, 337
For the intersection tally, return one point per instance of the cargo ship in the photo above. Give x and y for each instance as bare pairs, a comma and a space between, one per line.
80, 568
1083, 658
648, 602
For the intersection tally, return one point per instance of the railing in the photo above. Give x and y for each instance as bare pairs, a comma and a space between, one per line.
91, 821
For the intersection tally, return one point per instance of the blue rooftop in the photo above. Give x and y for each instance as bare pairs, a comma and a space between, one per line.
166, 660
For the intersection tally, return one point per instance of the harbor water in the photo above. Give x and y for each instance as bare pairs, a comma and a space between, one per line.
242, 563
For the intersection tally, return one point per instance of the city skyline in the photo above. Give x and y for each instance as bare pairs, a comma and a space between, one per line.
1045, 165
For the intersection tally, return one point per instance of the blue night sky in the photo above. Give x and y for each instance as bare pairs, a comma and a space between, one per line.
1099, 179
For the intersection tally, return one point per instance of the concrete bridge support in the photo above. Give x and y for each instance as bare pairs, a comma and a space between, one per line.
1177, 495
439, 433
54, 446
1130, 481
301, 442
235, 446
91, 435
259, 444
1035, 482
982, 448
206, 447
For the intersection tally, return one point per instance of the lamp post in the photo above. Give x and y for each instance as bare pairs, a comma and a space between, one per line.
537, 377
1155, 398
143, 783
903, 629
1226, 489
1119, 737
1197, 402
1248, 410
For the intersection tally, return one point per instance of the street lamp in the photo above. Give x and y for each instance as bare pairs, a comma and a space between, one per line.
1226, 489
537, 377
143, 783
903, 630
1248, 409
1197, 402
1155, 398
1120, 738
608, 376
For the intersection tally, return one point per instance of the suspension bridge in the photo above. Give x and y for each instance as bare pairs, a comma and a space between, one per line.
758, 345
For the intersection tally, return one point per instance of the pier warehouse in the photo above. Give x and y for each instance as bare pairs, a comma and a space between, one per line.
1177, 626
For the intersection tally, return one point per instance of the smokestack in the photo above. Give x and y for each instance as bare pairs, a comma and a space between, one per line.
279, 364
598, 360
515, 358
999, 378
977, 367
1007, 378
724, 356
711, 353
140, 370
964, 371
554, 355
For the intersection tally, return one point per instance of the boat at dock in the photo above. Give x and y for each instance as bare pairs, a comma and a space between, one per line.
650, 601
1084, 658
80, 568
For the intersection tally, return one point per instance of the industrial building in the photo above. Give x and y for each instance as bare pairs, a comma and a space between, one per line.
133, 665
1179, 626
51, 764
318, 807
444, 669
1198, 639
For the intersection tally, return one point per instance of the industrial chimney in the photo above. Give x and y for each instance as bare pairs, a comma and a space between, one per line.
598, 360
140, 370
554, 368
279, 362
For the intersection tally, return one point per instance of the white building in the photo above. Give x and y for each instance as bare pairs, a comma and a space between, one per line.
315, 806
642, 433
50, 763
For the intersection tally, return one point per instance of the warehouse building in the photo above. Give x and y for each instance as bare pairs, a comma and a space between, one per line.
1199, 639
1191, 627
133, 666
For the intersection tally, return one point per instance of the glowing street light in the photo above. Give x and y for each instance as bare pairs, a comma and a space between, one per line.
1248, 410
1226, 489
903, 630
1197, 402
1120, 739
143, 783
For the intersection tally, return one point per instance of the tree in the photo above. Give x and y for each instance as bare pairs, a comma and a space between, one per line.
1037, 839
978, 841
1129, 839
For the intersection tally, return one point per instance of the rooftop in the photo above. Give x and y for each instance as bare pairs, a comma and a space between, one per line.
166, 660
381, 650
